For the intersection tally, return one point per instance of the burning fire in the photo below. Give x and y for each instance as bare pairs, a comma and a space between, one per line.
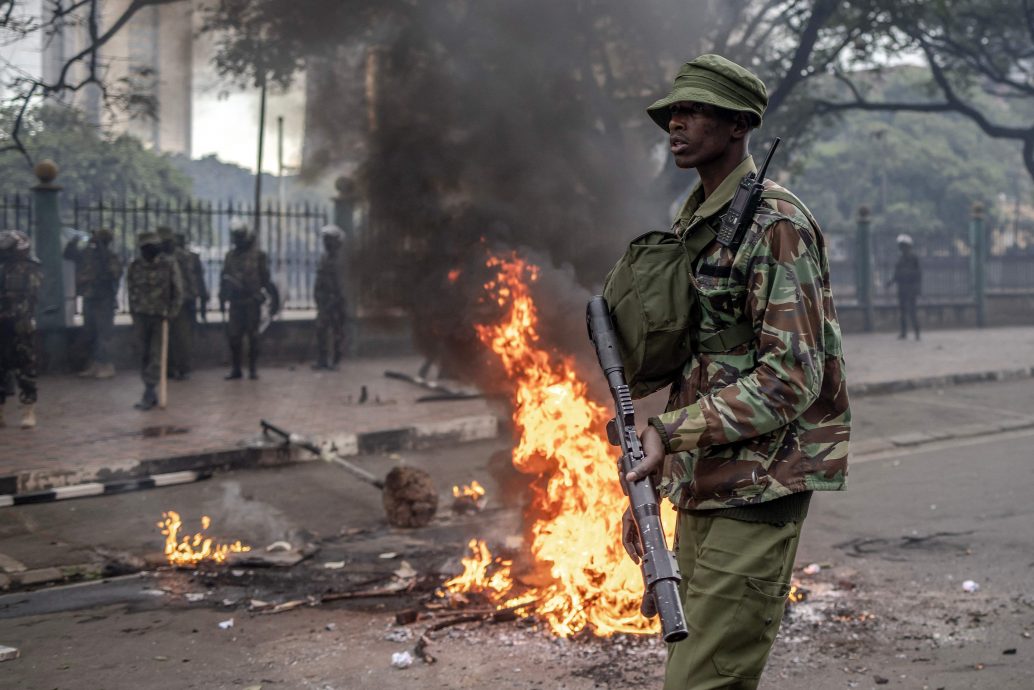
192, 549
453, 275
578, 502
473, 491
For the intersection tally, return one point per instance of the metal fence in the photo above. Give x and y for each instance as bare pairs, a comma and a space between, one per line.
16, 212
946, 260
289, 235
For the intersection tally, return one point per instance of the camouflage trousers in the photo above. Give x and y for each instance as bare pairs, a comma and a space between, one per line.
98, 323
244, 324
330, 334
18, 357
181, 338
148, 331
735, 580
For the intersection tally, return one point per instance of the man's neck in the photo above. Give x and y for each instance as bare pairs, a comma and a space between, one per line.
714, 172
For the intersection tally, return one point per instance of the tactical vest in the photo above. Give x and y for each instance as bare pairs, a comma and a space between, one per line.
654, 304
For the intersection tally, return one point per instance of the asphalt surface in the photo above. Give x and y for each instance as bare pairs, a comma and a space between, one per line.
888, 604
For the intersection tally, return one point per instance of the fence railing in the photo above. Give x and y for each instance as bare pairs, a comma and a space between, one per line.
16, 212
946, 261
288, 234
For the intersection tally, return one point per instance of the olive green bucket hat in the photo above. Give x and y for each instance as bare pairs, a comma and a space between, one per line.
715, 80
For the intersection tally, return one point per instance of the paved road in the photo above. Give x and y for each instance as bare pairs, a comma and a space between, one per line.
887, 605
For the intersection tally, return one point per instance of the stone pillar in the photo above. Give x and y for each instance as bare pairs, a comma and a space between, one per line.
863, 268
57, 297
344, 206
978, 262
55, 308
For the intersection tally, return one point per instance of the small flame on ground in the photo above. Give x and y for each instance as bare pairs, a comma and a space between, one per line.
453, 275
473, 491
797, 593
578, 503
195, 548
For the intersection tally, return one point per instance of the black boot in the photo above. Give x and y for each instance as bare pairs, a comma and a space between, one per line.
253, 365
149, 399
235, 356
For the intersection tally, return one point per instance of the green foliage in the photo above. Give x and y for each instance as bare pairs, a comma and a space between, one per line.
92, 165
917, 172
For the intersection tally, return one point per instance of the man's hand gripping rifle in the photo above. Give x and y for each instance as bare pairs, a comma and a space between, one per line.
660, 571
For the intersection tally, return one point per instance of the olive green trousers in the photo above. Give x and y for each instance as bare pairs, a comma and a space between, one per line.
735, 580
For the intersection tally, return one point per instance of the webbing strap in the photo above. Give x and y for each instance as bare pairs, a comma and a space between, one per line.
728, 338
783, 195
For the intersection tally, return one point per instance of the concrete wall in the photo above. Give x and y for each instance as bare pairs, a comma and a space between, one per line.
1002, 310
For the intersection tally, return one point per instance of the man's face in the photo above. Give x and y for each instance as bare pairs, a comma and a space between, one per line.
698, 134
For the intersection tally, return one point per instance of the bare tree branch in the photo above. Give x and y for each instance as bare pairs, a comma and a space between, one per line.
30, 88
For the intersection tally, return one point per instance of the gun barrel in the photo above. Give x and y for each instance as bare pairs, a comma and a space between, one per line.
660, 571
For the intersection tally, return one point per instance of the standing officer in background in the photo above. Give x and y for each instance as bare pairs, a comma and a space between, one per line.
181, 329
20, 279
245, 284
329, 292
758, 417
909, 278
98, 270
155, 295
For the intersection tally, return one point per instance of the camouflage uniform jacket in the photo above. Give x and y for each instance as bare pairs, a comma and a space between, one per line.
155, 287
770, 417
97, 271
20, 281
190, 274
245, 273
329, 288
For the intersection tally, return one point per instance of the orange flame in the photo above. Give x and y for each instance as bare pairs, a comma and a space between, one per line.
193, 549
473, 491
578, 502
453, 275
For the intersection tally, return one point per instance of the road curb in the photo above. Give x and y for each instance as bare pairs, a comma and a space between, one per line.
916, 439
919, 382
260, 453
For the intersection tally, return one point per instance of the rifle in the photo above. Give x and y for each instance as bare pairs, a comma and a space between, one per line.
660, 571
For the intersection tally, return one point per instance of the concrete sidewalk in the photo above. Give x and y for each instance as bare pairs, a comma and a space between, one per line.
89, 431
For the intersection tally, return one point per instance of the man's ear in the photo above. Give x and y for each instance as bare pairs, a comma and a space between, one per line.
740, 125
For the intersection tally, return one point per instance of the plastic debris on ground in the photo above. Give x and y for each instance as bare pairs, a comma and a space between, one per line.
399, 635
226, 625
401, 659
970, 586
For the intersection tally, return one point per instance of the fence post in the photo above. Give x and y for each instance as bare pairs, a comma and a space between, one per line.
863, 268
56, 304
55, 309
978, 261
343, 206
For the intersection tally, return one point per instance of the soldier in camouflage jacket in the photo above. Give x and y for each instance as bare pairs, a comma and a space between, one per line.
751, 431
246, 284
98, 270
329, 293
155, 295
20, 279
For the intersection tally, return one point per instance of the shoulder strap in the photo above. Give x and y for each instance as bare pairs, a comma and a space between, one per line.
784, 195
